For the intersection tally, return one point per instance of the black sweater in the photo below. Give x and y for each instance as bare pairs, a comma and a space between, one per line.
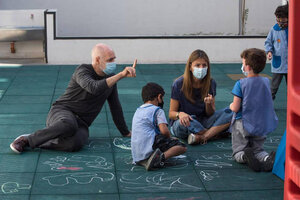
86, 95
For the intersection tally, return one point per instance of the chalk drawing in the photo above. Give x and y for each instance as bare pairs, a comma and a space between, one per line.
154, 182
92, 161
211, 164
70, 168
98, 145
223, 145
272, 142
14, 187
228, 156
75, 162
209, 175
212, 161
211, 157
122, 143
177, 162
127, 160
79, 178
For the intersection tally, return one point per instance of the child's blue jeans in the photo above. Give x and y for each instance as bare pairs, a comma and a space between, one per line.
220, 117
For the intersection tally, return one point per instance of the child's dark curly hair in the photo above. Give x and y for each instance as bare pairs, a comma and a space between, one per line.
256, 58
151, 91
282, 11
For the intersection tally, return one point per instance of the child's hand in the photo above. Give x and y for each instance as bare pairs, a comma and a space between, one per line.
209, 99
269, 55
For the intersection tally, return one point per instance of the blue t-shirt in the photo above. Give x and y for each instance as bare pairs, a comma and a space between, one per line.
197, 108
144, 128
237, 91
258, 114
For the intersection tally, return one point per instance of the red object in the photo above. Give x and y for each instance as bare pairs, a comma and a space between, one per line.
292, 165
70, 168
12, 47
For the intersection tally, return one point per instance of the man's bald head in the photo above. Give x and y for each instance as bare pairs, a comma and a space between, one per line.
100, 50
102, 54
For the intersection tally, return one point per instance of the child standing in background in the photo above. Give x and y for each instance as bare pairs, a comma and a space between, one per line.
151, 142
276, 47
254, 116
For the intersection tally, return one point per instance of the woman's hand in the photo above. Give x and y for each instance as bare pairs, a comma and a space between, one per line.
209, 99
209, 105
185, 119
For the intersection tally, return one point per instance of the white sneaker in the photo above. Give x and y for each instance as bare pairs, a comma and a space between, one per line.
171, 130
191, 139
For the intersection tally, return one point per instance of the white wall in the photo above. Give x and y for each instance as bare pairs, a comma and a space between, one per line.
146, 50
21, 18
260, 16
96, 18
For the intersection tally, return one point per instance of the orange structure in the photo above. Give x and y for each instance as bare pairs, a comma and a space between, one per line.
292, 165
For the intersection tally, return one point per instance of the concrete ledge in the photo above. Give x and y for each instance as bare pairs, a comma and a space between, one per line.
15, 34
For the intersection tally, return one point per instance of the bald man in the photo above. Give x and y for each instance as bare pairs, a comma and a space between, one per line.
71, 115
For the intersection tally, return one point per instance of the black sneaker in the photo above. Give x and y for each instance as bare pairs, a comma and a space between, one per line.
154, 161
159, 163
267, 165
251, 160
20, 143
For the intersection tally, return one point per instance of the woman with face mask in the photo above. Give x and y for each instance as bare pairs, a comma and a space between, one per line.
192, 108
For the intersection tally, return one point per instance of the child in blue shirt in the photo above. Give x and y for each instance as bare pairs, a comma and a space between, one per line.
276, 47
254, 116
151, 142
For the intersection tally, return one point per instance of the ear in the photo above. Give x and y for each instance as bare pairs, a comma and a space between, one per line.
248, 68
98, 59
159, 97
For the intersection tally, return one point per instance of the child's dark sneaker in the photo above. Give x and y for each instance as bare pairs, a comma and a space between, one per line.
20, 143
267, 165
159, 163
251, 160
154, 160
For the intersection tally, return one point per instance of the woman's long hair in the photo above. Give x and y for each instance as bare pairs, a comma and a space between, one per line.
188, 80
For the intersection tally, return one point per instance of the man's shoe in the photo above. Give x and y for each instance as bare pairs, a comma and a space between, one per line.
267, 165
251, 160
154, 160
20, 143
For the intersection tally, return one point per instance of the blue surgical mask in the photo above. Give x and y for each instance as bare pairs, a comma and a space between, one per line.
244, 72
199, 73
110, 68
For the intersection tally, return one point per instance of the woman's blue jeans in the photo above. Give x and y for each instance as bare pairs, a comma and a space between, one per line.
220, 117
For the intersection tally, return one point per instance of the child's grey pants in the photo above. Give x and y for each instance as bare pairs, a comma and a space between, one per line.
242, 139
